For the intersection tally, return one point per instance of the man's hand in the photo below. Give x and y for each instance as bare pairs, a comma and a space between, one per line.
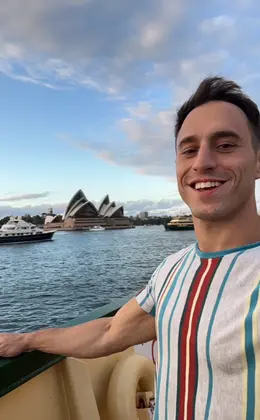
12, 344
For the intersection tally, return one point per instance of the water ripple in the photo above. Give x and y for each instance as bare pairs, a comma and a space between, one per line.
48, 284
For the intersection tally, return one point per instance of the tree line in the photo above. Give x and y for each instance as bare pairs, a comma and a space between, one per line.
151, 221
36, 220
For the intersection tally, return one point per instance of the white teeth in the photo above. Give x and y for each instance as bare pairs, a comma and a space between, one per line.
208, 184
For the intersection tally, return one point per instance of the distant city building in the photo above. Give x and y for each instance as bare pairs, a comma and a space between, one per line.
143, 215
81, 214
49, 216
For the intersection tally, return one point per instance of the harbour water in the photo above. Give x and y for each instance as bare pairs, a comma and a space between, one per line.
48, 284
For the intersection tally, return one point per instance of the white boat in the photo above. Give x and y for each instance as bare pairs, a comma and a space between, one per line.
96, 229
16, 230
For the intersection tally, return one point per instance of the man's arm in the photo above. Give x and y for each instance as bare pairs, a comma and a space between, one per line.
131, 325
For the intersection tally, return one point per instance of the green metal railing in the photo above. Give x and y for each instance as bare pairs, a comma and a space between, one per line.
18, 370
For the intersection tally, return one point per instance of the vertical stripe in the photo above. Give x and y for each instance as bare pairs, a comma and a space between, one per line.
244, 363
221, 290
160, 318
145, 298
169, 335
194, 337
250, 356
181, 351
167, 282
164, 289
149, 287
256, 334
188, 358
191, 369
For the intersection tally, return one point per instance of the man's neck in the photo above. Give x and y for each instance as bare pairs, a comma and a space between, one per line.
241, 230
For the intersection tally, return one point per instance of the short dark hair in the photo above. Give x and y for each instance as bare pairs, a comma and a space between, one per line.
219, 89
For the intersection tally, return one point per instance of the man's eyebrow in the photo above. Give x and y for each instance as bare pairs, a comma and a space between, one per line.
224, 134
185, 141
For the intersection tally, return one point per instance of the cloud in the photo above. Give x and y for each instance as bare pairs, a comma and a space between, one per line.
154, 208
67, 43
21, 197
114, 47
147, 142
171, 206
111, 47
141, 110
148, 145
138, 52
118, 46
217, 24
29, 209
160, 207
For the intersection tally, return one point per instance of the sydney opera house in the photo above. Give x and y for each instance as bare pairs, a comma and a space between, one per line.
81, 214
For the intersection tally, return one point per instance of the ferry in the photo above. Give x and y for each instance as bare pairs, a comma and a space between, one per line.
16, 230
180, 223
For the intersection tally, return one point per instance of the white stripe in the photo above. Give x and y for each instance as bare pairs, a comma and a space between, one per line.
188, 339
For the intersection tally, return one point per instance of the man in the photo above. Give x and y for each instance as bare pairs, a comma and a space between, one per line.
202, 303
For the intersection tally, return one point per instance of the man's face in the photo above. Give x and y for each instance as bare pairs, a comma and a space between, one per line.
216, 164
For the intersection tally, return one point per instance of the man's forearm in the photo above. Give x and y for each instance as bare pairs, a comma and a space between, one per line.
87, 340
130, 326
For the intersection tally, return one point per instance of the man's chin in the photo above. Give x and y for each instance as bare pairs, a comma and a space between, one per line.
212, 214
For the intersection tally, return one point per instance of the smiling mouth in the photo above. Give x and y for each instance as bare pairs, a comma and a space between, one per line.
206, 186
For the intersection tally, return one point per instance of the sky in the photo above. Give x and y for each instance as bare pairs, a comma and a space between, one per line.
89, 91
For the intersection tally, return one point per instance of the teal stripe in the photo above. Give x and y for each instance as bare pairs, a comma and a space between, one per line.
153, 312
167, 277
160, 334
148, 294
210, 386
217, 254
250, 356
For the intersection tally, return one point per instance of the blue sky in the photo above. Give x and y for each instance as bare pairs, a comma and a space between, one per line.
89, 89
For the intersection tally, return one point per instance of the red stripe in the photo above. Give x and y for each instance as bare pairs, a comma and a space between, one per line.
193, 371
153, 355
184, 330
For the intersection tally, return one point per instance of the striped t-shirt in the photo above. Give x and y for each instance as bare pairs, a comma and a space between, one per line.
207, 311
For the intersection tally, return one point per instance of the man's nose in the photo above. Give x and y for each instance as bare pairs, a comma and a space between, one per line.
205, 159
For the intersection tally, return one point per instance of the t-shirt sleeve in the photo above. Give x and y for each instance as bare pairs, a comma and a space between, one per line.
146, 297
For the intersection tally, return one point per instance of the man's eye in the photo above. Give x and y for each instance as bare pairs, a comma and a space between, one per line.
188, 152
225, 146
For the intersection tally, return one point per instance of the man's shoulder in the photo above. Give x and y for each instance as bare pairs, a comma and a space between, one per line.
177, 256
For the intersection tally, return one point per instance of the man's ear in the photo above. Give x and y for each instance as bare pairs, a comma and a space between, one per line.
258, 165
